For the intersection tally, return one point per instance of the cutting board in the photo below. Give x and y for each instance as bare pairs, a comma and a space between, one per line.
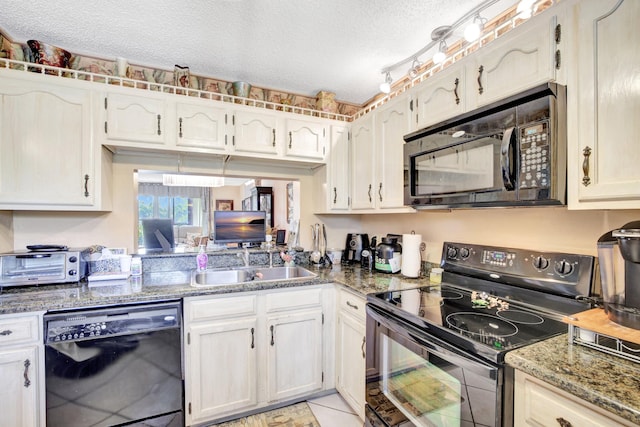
596, 320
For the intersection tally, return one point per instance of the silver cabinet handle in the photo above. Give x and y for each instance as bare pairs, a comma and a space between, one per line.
355, 307
180, 127
370, 200
272, 341
290, 139
6, 332
562, 422
252, 338
274, 137
27, 381
380, 192
364, 339
159, 118
455, 90
480, 88
335, 195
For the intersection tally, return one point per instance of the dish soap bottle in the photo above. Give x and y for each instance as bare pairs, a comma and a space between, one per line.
202, 259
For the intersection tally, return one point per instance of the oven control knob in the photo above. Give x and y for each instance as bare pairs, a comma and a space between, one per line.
564, 267
464, 253
540, 262
452, 252
72, 272
73, 259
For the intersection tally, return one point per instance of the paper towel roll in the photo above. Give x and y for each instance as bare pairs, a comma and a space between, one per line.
411, 258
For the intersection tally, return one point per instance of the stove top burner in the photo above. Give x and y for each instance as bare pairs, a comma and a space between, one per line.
450, 294
481, 324
518, 316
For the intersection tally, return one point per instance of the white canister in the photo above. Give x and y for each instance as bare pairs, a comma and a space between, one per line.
411, 258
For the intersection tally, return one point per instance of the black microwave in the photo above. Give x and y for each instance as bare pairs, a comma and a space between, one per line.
509, 153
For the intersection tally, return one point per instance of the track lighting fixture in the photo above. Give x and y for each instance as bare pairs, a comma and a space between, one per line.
474, 29
385, 87
440, 34
415, 68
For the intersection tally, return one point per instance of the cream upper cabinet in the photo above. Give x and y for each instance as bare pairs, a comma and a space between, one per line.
201, 125
350, 350
132, 118
306, 139
22, 371
48, 158
537, 403
337, 169
604, 107
392, 122
440, 97
523, 58
362, 163
255, 132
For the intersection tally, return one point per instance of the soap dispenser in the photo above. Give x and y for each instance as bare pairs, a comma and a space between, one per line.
202, 258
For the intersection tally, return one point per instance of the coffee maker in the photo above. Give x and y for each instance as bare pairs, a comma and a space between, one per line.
619, 258
353, 248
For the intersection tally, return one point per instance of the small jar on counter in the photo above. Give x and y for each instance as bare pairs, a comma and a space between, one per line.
136, 266
435, 275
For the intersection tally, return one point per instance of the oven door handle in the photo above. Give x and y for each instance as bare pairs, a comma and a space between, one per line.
507, 161
434, 345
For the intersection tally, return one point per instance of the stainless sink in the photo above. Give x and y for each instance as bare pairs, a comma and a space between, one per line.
251, 274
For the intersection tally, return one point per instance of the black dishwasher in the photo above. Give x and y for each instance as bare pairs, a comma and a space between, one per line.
114, 366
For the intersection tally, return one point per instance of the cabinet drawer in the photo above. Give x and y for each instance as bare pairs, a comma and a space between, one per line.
351, 303
540, 404
19, 330
214, 308
286, 300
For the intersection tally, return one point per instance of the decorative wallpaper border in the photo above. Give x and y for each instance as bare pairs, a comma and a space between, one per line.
324, 101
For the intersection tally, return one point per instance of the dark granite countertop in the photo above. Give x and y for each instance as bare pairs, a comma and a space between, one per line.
609, 382
174, 285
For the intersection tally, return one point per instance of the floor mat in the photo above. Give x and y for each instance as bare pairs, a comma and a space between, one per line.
298, 415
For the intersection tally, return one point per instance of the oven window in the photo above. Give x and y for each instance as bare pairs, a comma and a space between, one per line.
423, 390
463, 168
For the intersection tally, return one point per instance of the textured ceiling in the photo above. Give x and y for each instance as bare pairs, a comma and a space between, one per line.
297, 46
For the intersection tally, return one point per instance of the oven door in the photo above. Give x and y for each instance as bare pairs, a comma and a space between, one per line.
414, 379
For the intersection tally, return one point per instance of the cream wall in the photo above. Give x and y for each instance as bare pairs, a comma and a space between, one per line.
549, 229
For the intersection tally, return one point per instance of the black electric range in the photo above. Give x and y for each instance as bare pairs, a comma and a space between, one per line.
494, 299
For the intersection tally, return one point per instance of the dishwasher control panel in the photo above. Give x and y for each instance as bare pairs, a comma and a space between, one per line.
123, 320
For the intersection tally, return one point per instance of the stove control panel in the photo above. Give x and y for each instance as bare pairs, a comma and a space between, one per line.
564, 273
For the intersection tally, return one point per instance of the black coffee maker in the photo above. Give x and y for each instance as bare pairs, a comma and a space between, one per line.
619, 259
353, 248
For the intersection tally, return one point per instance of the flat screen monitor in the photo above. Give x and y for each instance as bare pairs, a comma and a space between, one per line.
239, 226
157, 234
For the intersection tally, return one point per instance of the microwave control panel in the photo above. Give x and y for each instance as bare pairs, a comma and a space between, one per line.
534, 155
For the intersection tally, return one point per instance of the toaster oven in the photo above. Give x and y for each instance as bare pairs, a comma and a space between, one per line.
41, 267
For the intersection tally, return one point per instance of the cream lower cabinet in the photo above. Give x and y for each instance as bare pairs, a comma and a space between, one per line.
21, 371
251, 350
48, 157
604, 106
540, 404
350, 350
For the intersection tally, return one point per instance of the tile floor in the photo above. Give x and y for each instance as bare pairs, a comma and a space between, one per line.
333, 411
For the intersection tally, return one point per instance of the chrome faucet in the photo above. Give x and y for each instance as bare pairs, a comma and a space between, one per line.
245, 256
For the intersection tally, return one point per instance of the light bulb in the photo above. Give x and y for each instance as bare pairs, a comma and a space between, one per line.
472, 32
385, 87
439, 57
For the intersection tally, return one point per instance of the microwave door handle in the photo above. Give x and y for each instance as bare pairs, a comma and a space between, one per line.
33, 256
508, 141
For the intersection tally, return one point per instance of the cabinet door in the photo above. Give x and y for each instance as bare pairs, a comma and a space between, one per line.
19, 391
520, 60
221, 368
255, 132
362, 163
136, 118
392, 124
440, 97
338, 167
305, 139
351, 361
200, 125
294, 355
604, 107
46, 145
